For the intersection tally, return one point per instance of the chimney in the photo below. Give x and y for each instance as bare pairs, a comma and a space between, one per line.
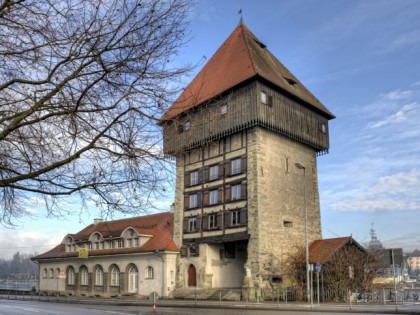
97, 220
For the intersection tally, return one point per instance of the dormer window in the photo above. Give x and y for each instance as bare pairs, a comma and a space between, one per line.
291, 81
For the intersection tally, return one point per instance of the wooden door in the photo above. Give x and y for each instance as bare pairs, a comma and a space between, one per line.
192, 276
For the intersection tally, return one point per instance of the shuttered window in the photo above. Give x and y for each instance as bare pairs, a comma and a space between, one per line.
194, 178
236, 192
193, 201
214, 172
212, 221
214, 197
235, 166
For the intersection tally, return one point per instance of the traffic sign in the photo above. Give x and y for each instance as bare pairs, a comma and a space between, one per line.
318, 267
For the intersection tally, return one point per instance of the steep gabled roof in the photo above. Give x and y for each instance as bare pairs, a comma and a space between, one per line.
241, 57
321, 251
158, 226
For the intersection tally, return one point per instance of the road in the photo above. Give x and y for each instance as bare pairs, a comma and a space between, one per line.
16, 307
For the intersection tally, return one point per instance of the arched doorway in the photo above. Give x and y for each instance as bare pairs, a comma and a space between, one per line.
192, 276
133, 277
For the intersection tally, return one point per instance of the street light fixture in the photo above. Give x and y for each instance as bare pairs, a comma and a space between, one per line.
302, 167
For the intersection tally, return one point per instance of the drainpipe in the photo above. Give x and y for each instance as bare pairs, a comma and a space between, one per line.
163, 271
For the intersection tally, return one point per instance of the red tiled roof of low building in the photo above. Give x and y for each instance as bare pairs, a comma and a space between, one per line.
158, 226
320, 251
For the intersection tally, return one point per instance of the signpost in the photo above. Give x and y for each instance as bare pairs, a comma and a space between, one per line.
318, 270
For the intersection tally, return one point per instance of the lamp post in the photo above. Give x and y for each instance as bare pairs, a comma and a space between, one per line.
302, 167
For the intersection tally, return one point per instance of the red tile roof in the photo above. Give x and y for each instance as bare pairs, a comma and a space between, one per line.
320, 251
159, 226
241, 57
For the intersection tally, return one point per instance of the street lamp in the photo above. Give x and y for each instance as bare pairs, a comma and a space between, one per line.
302, 167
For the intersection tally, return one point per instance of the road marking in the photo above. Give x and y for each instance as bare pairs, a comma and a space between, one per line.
30, 310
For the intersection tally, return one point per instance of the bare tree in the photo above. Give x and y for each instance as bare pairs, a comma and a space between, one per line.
349, 268
82, 84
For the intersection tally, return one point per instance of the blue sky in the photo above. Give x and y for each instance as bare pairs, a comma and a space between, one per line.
359, 58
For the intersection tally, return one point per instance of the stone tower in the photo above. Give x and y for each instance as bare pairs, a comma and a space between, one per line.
237, 132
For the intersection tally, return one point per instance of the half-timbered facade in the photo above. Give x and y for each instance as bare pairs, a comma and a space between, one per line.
237, 132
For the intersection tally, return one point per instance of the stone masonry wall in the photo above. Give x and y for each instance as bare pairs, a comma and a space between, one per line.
276, 197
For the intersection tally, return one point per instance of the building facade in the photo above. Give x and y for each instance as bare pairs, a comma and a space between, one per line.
135, 256
237, 132
413, 261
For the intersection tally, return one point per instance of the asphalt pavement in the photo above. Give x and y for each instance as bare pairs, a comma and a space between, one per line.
230, 307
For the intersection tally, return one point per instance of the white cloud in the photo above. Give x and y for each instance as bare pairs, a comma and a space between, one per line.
400, 116
397, 94
397, 192
404, 40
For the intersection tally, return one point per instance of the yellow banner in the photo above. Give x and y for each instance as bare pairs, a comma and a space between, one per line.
83, 253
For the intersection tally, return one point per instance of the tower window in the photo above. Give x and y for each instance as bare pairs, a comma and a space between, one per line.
192, 224
193, 201
214, 197
212, 221
223, 109
236, 166
214, 172
236, 192
266, 99
194, 178
288, 224
236, 217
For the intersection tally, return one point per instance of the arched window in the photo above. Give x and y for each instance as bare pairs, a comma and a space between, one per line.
51, 273
45, 273
84, 276
70, 276
99, 276
115, 276
149, 272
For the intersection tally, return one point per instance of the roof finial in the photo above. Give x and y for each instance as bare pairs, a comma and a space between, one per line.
241, 21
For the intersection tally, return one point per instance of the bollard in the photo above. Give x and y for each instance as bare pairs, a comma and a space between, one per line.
350, 299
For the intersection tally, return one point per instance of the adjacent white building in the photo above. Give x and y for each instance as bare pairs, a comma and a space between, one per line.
134, 256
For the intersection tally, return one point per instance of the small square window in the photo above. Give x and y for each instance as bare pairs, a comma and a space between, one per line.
288, 224
223, 109
266, 99
263, 97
